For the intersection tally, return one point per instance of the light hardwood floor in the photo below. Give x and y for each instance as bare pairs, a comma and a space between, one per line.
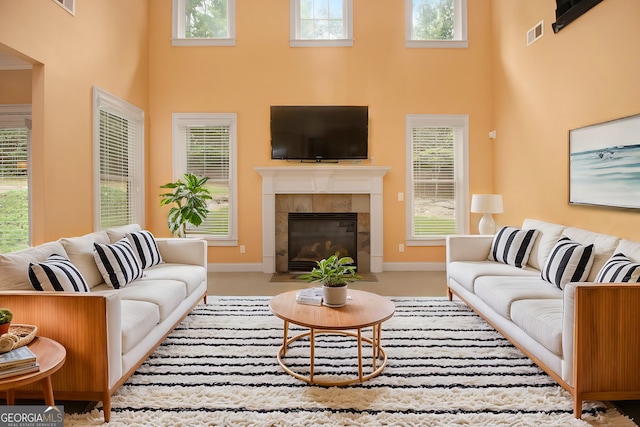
388, 283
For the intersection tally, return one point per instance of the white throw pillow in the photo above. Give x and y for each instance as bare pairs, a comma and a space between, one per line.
145, 248
117, 263
57, 273
512, 246
568, 262
619, 269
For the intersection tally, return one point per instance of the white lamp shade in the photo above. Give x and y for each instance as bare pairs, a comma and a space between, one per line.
486, 203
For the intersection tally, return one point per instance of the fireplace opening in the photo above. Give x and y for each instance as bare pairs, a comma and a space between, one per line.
318, 235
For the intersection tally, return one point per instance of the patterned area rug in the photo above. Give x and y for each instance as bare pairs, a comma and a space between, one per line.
446, 367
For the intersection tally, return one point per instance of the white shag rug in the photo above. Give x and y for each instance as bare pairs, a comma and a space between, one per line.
447, 367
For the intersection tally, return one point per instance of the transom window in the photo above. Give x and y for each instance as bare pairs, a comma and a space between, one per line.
118, 137
321, 22
68, 5
205, 145
436, 23
204, 23
436, 177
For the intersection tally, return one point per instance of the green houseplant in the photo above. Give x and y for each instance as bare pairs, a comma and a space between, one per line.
190, 196
334, 273
5, 320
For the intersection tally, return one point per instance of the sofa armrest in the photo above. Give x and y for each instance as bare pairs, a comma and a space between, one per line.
183, 251
468, 247
86, 324
600, 336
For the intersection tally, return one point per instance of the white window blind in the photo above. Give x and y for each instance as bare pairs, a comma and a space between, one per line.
204, 145
14, 187
321, 22
436, 178
120, 140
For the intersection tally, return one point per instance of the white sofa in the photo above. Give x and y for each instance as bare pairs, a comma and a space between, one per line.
586, 336
108, 333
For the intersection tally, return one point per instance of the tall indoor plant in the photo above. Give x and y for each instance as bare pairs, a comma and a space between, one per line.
190, 196
334, 273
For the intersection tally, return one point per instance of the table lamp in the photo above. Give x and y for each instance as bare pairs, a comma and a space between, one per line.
486, 204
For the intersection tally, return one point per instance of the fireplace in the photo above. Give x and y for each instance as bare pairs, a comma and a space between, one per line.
313, 236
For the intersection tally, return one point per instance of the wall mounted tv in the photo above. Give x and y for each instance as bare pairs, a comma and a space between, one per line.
568, 11
319, 132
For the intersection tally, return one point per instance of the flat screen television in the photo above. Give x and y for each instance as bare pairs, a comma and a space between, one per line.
568, 11
319, 132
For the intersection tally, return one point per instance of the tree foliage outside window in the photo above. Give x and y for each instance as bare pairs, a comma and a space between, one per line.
206, 19
14, 191
322, 19
433, 20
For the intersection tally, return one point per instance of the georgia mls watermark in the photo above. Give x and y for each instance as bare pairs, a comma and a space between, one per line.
32, 416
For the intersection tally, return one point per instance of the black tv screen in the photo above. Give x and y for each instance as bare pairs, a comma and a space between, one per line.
319, 132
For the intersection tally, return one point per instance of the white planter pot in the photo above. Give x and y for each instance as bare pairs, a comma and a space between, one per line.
334, 296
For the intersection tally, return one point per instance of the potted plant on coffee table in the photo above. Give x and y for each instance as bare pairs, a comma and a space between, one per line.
5, 320
334, 273
190, 196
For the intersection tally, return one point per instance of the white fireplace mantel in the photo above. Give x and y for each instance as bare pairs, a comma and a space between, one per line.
320, 179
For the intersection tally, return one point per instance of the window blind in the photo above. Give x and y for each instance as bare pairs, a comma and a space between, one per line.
14, 188
207, 151
434, 180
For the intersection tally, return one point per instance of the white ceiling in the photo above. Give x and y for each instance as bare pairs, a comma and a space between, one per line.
11, 62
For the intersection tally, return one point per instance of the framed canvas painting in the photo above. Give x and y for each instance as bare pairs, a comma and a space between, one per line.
604, 164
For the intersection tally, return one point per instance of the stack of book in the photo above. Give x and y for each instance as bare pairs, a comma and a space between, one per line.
18, 361
311, 296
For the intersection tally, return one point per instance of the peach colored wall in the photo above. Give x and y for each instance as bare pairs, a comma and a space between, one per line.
585, 74
262, 70
105, 44
15, 87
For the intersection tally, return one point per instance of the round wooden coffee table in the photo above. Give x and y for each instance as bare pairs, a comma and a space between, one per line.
50, 355
363, 309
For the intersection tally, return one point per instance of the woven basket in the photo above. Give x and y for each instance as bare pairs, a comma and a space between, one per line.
19, 335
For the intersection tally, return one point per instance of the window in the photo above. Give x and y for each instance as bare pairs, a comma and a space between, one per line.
118, 139
321, 23
15, 139
68, 5
437, 189
436, 23
205, 145
204, 23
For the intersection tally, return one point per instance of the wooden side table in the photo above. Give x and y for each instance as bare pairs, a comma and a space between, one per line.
50, 355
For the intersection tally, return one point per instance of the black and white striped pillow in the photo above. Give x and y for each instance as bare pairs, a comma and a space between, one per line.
619, 269
57, 273
145, 248
568, 262
512, 246
117, 263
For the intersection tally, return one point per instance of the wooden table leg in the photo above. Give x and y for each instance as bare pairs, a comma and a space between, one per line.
286, 335
11, 397
360, 354
47, 388
374, 346
312, 352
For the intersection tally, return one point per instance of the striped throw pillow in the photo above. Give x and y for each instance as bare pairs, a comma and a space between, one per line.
568, 262
117, 263
512, 246
145, 248
57, 273
619, 269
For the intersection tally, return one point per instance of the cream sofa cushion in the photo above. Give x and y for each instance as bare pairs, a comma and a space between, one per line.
541, 319
500, 292
166, 294
80, 252
630, 249
191, 275
138, 319
466, 272
14, 266
604, 245
548, 235
117, 233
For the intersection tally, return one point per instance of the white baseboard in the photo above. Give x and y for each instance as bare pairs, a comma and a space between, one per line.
387, 266
414, 266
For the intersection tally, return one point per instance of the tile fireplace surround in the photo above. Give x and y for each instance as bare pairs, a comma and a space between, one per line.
320, 179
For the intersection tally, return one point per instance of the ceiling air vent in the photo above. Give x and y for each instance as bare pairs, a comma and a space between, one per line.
535, 33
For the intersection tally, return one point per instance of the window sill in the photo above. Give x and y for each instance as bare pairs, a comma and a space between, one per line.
427, 241
437, 44
321, 43
203, 42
